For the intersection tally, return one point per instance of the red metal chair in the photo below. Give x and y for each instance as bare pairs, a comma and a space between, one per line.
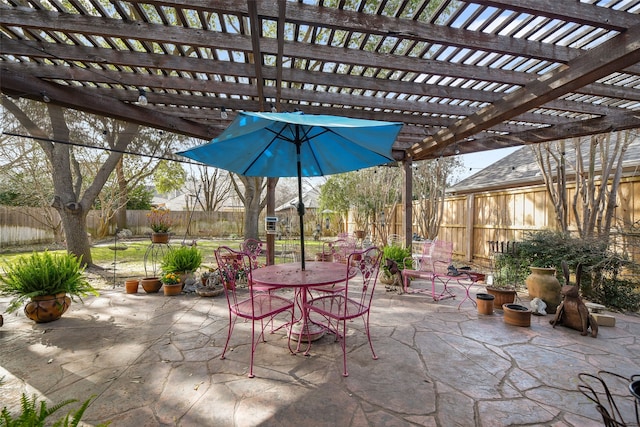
254, 307
338, 250
254, 248
432, 265
354, 302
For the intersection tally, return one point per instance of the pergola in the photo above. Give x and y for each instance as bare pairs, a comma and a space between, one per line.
463, 77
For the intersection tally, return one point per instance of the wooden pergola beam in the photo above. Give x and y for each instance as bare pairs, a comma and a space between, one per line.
596, 63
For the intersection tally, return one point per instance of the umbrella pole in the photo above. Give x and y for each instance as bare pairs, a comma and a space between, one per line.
300, 202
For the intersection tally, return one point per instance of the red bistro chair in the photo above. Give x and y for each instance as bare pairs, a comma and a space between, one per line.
254, 307
354, 302
254, 248
338, 250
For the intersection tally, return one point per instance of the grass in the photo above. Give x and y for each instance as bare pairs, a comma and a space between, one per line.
103, 253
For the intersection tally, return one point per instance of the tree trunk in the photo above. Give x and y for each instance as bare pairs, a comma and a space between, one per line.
123, 195
74, 221
253, 200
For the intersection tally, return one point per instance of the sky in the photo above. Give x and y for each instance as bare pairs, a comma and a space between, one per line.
475, 162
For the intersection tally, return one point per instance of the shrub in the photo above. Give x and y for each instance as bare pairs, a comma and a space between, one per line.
184, 258
600, 280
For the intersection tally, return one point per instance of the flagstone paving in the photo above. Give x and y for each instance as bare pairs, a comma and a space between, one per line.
152, 360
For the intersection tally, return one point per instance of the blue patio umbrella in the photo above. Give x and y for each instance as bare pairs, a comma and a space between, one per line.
296, 145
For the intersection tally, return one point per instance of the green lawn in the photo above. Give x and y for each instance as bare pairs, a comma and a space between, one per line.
103, 253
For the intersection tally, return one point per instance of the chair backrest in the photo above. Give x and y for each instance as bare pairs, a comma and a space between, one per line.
441, 256
255, 249
234, 268
367, 265
423, 261
342, 248
436, 256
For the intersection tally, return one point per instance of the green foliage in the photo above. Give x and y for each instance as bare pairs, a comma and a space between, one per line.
9, 198
43, 273
601, 280
184, 258
402, 257
35, 414
140, 198
169, 176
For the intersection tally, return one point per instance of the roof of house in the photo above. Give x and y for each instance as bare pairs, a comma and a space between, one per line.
310, 198
521, 169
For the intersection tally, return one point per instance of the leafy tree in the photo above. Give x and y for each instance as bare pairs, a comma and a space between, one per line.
169, 176
140, 198
77, 174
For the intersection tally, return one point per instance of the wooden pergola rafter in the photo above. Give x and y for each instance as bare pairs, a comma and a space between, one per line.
473, 76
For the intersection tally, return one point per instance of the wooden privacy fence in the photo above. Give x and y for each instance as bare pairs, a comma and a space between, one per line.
470, 221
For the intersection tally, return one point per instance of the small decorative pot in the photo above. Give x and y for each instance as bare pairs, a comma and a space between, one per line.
171, 290
151, 285
516, 315
542, 283
131, 286
485, 303
47, 308
159, 237
501, 296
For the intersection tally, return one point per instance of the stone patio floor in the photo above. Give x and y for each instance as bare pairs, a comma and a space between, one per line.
152, 360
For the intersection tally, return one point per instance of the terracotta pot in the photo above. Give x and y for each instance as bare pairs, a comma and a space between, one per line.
542, 283
47, 308
501, 296
171, 290
516, 315
131, 286
151, 285
485, 303
159, 237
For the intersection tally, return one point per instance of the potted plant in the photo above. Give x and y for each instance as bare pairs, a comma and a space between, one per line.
160, 224
211, 284
504, 282
183, 260
172, 284
396, 258
50, 281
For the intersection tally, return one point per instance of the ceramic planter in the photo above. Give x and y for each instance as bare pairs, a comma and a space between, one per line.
159, 237
131, 286
171, 290
501, 296
542, 283
151, 285
47, 308
516, 315
485, 303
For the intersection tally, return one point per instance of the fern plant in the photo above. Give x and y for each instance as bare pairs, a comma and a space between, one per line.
398, 254
35, 413
184, 258
43, 273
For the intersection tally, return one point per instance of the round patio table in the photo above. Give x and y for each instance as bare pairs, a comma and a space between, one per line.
291, 275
